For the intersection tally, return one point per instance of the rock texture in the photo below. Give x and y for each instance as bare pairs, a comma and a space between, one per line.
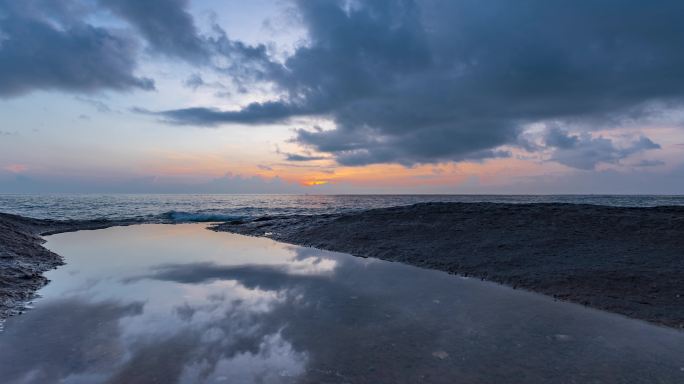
624, 260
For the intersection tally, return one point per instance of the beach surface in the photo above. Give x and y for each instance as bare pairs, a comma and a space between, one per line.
624, 260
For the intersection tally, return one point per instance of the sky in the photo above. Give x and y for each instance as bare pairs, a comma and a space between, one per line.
342, 96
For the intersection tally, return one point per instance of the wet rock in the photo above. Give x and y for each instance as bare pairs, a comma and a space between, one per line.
23, 259
619, 259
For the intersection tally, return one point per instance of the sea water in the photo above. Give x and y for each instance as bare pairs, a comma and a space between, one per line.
189, 207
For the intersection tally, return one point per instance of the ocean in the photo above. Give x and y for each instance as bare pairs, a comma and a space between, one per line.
221, 207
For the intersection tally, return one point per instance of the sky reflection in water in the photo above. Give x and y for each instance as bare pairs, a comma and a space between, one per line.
181, 304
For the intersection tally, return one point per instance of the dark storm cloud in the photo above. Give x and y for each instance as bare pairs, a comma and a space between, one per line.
50, 45
61, 11
241, 61
170, 30
165, 24
43, 46
425, 81
254, 113
300, 157
585, 152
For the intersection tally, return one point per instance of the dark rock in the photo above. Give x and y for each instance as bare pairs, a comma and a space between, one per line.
619, 259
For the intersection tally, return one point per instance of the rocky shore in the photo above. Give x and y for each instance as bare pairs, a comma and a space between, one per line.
624, 260
23, 259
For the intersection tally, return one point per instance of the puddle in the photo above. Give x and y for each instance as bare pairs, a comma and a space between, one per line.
181, 304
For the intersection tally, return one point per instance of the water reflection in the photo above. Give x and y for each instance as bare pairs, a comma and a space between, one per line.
180, 304
64, 338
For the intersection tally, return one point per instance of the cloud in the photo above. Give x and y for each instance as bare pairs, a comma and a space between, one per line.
231, 183
77, 56
429, 81
307, 156
170, 30
194, 81
72, 54
15, 168
165, 24
649, 163
585, 151
300, 157
15, 179
99, 105
254, 113
636, 181
239, 60
403, 81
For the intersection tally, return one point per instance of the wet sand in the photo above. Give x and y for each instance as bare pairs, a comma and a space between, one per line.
624, 260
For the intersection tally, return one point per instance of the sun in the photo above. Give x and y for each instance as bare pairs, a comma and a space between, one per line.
313, 183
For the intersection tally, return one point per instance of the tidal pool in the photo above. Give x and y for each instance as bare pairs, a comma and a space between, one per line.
182, 304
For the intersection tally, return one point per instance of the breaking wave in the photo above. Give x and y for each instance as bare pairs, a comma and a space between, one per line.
198, 217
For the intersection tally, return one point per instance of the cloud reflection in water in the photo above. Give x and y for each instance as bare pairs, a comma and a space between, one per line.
179, 304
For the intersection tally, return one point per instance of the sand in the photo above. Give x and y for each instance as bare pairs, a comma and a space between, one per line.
623, 260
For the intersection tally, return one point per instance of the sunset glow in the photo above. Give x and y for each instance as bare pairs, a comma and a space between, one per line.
255, 98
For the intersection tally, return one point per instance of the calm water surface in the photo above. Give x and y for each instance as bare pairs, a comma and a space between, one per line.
181, 304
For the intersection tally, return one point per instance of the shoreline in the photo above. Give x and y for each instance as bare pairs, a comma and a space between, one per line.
623, 260
23, 259
628, 261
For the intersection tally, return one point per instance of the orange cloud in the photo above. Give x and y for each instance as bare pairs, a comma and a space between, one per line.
493, 172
